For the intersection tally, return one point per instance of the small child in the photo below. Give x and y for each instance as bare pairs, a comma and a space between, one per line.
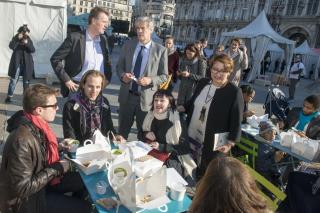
248, 95
267, 155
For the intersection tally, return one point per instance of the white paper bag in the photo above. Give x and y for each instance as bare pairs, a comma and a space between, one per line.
254, 120
306, 148
99, 138
287, 138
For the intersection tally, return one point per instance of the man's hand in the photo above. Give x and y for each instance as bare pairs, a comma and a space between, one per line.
127, 77
119, 139
249, 113
65, 164
73, 87
144, 81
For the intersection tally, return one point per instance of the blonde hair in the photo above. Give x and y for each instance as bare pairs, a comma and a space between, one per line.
93, 73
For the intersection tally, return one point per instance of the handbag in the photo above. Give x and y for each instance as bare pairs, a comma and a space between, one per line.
165, 85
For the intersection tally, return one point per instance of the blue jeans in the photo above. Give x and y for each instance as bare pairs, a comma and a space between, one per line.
13, 81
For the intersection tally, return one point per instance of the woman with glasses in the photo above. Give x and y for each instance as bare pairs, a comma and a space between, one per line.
88, 110
192, 68
215, 110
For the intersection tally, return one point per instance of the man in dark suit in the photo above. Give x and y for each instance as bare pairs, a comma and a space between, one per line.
142, 67
83, 51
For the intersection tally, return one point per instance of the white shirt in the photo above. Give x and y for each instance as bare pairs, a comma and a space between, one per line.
145, 56
93, 59
197, 128
296, 67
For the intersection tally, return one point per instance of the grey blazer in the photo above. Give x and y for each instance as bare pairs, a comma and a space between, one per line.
156, 68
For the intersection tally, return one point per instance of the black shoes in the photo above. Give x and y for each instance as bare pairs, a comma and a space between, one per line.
8, 100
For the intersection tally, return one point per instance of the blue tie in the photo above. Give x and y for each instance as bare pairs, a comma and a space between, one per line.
137, 69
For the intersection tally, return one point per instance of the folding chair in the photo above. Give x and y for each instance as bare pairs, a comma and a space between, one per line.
277, 194
251, 148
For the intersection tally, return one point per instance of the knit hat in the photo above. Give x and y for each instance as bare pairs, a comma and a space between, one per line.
266, 126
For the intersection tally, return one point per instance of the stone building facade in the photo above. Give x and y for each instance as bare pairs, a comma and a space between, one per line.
120, 9
298, 20
161, 12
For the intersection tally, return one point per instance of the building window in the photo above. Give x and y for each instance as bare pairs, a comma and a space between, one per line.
80, 10
291, 7
312, 7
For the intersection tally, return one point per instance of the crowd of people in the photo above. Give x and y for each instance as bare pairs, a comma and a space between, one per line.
34, 177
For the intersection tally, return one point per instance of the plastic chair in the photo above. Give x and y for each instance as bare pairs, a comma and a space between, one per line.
277, 194
249, 147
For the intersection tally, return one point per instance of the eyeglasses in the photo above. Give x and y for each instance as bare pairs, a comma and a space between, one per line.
219, 71
55, 106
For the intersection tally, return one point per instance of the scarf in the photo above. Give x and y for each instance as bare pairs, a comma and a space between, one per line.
173, 134
171, 50
90, 113
52, 143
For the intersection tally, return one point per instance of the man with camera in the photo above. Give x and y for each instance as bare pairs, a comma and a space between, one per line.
21, 62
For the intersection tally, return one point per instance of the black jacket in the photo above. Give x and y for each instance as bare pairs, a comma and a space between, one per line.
24, 169
72, 123
72, 52
225, 115
21, 54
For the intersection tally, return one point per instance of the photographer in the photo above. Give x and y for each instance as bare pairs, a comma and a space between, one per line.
21, 62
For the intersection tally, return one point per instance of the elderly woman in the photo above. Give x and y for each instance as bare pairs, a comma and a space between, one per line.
166, 133
192, 68
88, 110
215, 110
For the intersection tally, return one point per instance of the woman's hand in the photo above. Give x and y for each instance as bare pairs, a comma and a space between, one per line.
154, 145
226, 148
249, 113
181, 108
150, 136
185, 74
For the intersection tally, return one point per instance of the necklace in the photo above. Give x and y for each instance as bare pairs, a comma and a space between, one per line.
204, 108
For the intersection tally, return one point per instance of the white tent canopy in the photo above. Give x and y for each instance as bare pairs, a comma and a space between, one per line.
309, 58
47, 21
276, 54
261, 34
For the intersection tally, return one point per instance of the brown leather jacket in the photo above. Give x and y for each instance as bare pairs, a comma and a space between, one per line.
24, 170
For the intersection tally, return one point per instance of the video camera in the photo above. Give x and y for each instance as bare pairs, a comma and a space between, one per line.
24, 29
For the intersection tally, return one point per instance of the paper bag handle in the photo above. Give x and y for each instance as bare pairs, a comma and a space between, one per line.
87, 142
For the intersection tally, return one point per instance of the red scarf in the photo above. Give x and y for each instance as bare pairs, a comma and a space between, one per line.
52, 143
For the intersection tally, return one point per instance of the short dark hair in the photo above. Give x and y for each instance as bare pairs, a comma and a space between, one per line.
164, 93
192, 48
169, 37
95, 12
247, 89
36, 96
203, 40
314, 100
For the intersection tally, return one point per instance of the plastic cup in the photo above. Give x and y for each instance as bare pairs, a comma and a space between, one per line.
177, 191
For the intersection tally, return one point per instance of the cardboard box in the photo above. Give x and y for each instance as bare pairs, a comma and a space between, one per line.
91, 158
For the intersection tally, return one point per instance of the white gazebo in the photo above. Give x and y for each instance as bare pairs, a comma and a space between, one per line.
47, 21
261, 35
309, 57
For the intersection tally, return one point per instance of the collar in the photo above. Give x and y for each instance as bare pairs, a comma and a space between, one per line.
89, 38
147, 45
